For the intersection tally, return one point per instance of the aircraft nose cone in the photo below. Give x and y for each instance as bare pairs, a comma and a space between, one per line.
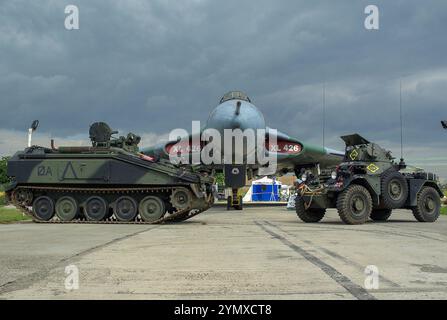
236, 114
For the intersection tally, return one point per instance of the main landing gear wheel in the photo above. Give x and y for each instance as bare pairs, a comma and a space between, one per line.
380, 214
151, 208
310, 215
125, 209
394, 190
229, 203
354, 205
428, 205
43, 208
95, 208
240, 205
66, 208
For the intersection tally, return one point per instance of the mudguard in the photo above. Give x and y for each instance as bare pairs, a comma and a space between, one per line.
372, 183
416, 185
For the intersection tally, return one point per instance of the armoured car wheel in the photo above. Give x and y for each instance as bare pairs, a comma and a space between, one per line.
354, 205
125, 209
151, 208
66, 208
428, 205
95, 208
394, 189
43, 208
380, 214
181, 198
311, 215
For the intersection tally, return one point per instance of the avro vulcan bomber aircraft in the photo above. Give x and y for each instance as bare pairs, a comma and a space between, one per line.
236, 112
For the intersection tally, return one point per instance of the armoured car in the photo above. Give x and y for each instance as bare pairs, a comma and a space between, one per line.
368, 184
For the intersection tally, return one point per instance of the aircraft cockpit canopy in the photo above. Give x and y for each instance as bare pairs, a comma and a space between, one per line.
235, 95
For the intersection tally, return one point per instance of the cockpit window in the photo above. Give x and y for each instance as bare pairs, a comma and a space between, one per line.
232, 95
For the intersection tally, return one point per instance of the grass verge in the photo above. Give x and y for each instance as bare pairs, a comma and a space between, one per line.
444, 210
8, 215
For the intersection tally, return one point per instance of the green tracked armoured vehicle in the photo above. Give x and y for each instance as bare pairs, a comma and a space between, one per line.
107, 182
368, 184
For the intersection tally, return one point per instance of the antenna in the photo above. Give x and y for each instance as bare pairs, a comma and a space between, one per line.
324, 111
402, 162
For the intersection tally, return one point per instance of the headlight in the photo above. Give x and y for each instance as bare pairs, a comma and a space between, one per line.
304, 177
334, 175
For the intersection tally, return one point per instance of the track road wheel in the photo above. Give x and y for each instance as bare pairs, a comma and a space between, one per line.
95, 208
310, 215
66, 208
23, 197
43, 208
151, 208
428, 205
125, 209
394, 189
380, 214
354, 205
181, 198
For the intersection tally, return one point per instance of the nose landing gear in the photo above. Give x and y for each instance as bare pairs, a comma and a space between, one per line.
234, 200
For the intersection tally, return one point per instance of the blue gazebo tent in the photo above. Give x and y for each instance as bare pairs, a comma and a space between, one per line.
264, 189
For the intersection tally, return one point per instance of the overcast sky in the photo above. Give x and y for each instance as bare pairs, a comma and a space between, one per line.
151, 66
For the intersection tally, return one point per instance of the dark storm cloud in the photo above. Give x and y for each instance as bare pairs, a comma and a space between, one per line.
149, 66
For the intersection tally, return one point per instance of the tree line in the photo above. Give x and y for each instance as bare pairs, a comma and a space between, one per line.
3, 177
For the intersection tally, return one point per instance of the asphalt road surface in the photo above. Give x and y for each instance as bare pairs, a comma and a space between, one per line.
259, 253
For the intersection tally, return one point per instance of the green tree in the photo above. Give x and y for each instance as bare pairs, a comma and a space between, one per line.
3, 177
220, 178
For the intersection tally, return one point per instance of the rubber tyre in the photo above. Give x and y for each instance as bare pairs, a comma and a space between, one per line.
125, 209
67, 208
422, 212
96, 208
240, 205
43, 208
354, 205
393, 180
312, 215
380, 214
151, 209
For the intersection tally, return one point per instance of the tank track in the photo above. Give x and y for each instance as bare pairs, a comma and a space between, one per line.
177, 216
